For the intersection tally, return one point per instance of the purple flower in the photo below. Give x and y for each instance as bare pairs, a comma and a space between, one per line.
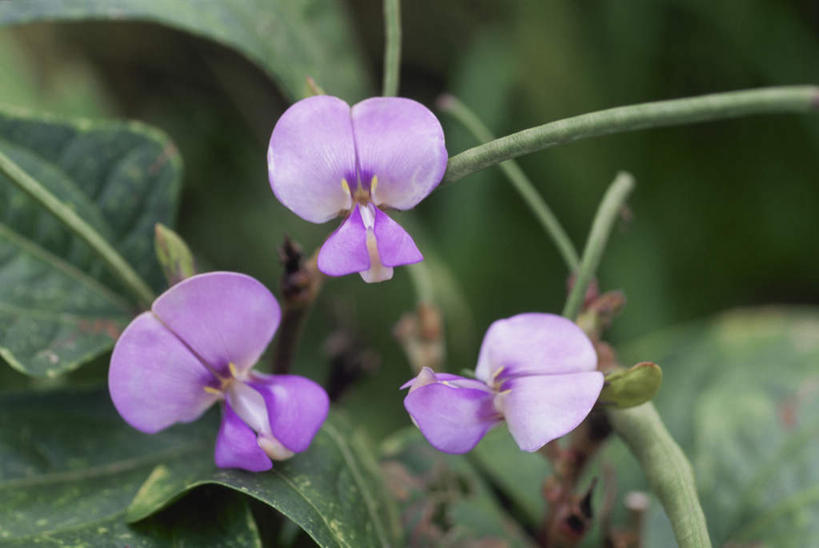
196, 346
536, 371
326, 159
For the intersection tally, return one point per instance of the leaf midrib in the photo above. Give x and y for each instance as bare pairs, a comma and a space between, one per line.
113, 468
44, 255
368, 500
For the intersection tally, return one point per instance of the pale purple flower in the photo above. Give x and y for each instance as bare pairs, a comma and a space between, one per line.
196, 346
327, 159
535, 371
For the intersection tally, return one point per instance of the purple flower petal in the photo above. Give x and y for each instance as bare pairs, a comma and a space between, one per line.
311, 151
395, 246
154, 380
237, 447
452, 419
296, 407
400, 142
541, 408
534, 344
345, 251
224, 317
249, 406
429, 376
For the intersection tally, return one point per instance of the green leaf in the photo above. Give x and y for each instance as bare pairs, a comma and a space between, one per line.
194, 521
68, 462
633, 386
60, 306
69, 468
443, 500
333, 491
290, 39
741, 395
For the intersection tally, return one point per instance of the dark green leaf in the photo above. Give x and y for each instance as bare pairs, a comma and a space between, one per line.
59, 305
69, 463
443, 500
69, 467
741, 395
333, 490
291, 39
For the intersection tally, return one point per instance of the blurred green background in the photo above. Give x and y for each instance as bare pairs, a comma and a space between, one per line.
725, 214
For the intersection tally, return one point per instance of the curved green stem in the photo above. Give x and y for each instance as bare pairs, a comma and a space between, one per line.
667, 470
598, 236
519, 180
392, 46
115, 262
629, 118
422, 283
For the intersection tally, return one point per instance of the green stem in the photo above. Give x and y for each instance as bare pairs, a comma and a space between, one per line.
519, 180
422, 283
598, 236
392, 46
115, 262
629, 118
667, 470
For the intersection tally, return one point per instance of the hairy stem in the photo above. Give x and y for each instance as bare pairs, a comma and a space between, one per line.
667, 470
598, 236
519, 180
113, 260
629, 118
392, 46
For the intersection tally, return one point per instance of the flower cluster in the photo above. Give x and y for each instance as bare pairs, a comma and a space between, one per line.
535, 371
196, 346
199, 341
326, 159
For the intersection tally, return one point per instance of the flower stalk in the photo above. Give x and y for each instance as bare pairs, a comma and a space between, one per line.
667, 470
716, 106
547, 219
607, 214
392, 46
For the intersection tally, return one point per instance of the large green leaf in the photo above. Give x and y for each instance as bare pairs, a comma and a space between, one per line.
59, 305
741, 395
443, 500
333, 491
290, 39
69, 468
69, 463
